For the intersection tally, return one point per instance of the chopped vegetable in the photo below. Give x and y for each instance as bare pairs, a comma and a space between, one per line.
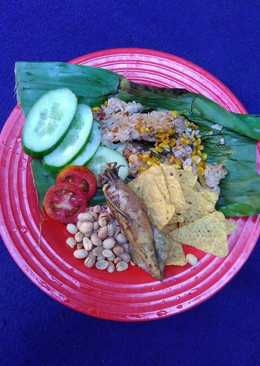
63, 202
48, 121
82, 177
90, 148
74, 140
103, 156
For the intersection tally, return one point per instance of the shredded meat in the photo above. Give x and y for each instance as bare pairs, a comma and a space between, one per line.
213, 175
124, 122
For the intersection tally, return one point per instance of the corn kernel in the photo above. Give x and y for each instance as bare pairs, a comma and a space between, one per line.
184, 140
197, 142
171, 131
204, 156
201, 171
196, 159
142, 169
96, 109
174, 114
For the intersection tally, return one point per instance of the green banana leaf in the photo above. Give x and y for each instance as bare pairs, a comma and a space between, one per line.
90, 84
43, 179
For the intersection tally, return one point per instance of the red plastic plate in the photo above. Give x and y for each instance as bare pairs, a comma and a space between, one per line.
48, 262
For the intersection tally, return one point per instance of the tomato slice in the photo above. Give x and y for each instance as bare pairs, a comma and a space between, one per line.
81, 177
63, 202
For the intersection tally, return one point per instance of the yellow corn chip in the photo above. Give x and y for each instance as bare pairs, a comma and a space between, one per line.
199, 204
159, 208
207, 234
176, 255
173, 187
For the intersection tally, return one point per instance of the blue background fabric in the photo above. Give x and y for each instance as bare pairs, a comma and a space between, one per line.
221, 36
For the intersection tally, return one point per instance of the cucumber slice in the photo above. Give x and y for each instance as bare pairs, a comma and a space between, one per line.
105, 155
90, 147
48, 121
73, 141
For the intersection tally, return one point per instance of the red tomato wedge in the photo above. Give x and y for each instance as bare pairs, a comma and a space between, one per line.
82, 177
63, 202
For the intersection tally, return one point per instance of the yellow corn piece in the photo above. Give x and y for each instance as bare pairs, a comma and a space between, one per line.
174, 114
197, 142
185, 140
196, 159
96, 109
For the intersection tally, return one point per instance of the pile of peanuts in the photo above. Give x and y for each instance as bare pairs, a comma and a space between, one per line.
98, 240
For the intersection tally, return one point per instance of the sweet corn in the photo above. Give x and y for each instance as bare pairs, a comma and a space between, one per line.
201, 171
174, 114
204, 156
185, 140
196, 159
96, 109
197, 142
172, 142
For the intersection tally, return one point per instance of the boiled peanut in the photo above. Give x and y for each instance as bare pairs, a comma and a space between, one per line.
71, 228
80, 253
107, 253
109, 243
78, 237
121, 266
97, 251
117, 250
96, 240
102, 264
102, 221
85, 227
85, 216
95, 225
111, 268
120, 238
87, 243
111, 229
117, 260
102, 232
90, 261
125, 257
71, 242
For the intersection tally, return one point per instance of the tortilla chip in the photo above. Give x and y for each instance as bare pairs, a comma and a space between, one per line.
207, 234
207, 193
159, 208
184, 177
176, 255
199, 204
174, 188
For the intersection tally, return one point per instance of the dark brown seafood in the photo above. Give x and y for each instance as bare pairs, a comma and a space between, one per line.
131, 214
